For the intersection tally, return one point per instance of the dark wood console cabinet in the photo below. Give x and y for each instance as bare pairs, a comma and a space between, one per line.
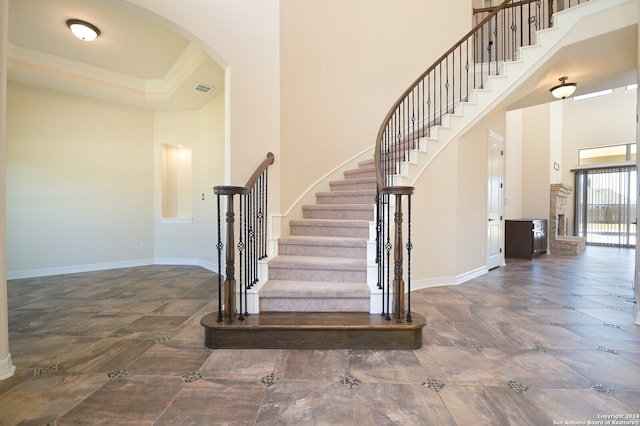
525, 238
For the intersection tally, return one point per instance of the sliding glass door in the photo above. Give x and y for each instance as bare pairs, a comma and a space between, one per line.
606, 206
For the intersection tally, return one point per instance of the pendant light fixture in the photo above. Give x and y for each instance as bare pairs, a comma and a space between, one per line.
564, 89
83, 30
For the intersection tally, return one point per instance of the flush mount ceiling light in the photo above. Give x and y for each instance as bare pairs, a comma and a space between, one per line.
83, 30
564, 89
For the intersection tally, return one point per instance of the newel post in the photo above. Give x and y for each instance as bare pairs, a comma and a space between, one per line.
229, 310
398, 281
230, 266
401, 310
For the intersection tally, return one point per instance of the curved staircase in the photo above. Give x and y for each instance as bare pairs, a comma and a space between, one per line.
322, 265
319, 287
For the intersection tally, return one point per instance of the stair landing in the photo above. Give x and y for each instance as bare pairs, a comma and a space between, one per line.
317, 330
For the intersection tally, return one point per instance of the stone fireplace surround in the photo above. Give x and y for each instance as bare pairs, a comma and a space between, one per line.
559, 242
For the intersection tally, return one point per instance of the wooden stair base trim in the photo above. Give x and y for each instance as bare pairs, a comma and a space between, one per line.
313, 330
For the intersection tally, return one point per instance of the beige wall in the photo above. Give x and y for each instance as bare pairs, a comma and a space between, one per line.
191, 241
535, 162
343, 64
6, 365
513, 165
244, 37
318, 66
637, 270
84, 185
79, 181
472, 193
449, 225
434, 220
551, 133
607, 120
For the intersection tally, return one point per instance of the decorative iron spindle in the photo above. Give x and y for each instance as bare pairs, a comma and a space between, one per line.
252, 242
409, 248
387, 248
241, 246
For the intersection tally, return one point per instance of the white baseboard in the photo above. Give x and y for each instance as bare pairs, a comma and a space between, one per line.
444, 281
6, 368
186, 262
74, 269
45, 272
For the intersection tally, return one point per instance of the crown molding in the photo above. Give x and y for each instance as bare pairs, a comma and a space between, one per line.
48, 66
185, 65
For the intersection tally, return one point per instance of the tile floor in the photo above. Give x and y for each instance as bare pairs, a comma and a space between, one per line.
543, 342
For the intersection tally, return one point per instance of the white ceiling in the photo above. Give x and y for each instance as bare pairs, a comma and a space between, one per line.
608, 61
139, 61
135, 60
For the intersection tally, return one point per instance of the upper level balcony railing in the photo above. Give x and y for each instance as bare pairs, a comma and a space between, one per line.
496, 38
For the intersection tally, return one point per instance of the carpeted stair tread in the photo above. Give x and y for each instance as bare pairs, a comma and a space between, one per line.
317, 263
357, 173
349, 207
310, 240
313, 289
354, 192
339, 185
322, 264
331, 222
367, 164
323, 246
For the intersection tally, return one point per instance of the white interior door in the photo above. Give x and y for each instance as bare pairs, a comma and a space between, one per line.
495, 202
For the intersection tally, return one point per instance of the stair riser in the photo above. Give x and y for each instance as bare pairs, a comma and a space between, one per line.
359, 174
323, 251
338, 214
286, 274
314, 305
337, 198
345, 185
330, 231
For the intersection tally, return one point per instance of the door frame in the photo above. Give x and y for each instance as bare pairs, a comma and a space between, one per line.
496, 141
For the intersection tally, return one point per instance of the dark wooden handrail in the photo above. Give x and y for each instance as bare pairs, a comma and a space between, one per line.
492, 8
438, 91
464, 67
381, 180
259, 171
237, 190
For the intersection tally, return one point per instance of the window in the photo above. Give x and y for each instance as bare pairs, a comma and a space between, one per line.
607, 154
606, 205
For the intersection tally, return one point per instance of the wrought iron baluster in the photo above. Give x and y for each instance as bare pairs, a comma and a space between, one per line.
409, 248
254, 230
388, 248
453, 82
241, 276
429, 119
440, 69
266, 213
505, 34
219, 246
529, 21
415, 113
521, 26
496, 48
446, 84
